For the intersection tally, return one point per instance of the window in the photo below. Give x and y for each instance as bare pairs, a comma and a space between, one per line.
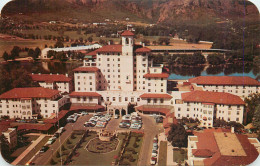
78, 99
237, 119
179, 109
161, 90
118, 59
107, 98
237, 112
229, 112
149, 84
84, 99
108, 65
149, 90
148, 100
90, 98
188, 109
161, 100
118, 65
126, 98
138, 99
53, 105
90, 77
114, 98
108, 59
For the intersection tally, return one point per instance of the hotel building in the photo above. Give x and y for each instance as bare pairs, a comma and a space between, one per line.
28, 103
59, 82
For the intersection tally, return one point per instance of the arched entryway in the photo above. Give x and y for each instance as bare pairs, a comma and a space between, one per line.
117, 112
123, 112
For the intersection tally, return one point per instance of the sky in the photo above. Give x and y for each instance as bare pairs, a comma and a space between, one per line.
3, 2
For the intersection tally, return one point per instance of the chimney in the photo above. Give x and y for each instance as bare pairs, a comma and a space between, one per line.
39, 73
50, 73
108, 42
57, 73
67, 75
143, 44
232, 129
32, 73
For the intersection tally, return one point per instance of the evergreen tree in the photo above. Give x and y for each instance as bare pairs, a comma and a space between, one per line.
6, 56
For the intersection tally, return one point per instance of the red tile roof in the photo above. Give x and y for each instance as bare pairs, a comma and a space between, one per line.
127, 33
156, 75
86, 94
156, 95
92, 53
143, 49
202, 153
35, 92
153, 109
224, 80
50, 77
39, 127
86, 69
61, 114
206, 140
212, 97
86, 107
110, 48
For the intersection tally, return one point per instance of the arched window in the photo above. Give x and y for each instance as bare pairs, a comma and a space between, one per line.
126, 41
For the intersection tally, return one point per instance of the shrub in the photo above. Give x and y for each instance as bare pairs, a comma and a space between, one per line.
52, 162
135, 145
58, 154
63, 148
72, 136
68, 141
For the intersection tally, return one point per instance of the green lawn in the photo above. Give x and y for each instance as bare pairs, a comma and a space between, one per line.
163, 153
88, 158
7, 45
66, 148
179, 155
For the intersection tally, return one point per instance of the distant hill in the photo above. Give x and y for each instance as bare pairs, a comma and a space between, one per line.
154, 11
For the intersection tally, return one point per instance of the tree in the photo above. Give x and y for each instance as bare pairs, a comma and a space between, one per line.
90, 39
59, 44
16, 77
6, 56
178, 136
15, 52
31, 52
5, 150
37, 53
252, 104
216, 59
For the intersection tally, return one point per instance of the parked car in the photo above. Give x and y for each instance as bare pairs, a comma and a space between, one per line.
155, 146
84, 113
135, 126
126, 117
50, 141
89, 124
116, 116
154, 154
61, 130
153, 161
44, 149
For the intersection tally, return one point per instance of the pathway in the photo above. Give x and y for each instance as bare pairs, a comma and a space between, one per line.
29, 149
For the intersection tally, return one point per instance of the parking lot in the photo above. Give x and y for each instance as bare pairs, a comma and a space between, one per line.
149, 127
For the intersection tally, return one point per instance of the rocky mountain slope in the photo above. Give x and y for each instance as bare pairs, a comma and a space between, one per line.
152, 10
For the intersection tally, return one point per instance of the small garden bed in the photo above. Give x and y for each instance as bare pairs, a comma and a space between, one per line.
131, 152
162, 153
179, 155
97, 146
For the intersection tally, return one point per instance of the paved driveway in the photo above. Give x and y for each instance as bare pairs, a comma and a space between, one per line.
150, 130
